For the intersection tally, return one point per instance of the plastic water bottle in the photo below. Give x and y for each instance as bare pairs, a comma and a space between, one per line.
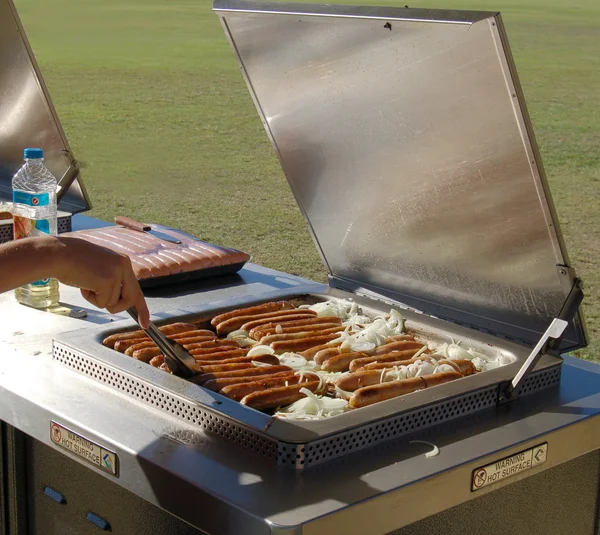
34, 207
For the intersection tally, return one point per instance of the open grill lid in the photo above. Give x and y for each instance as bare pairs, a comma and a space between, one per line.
28, 118
404, 136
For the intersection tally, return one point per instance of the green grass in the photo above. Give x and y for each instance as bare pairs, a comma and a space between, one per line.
153, 104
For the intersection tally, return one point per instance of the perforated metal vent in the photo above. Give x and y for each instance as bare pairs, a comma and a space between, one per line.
290, 455
540, 380
165, 402
64, 224
6, 233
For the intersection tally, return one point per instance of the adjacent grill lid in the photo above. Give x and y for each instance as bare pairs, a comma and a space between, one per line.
28, 119
404, 136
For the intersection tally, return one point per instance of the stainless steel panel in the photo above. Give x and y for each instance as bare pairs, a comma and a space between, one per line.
28, 118
300, 444
404, 138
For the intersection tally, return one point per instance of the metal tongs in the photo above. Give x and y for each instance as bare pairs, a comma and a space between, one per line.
180, 362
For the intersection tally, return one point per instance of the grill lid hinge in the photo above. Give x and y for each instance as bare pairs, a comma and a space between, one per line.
549, 341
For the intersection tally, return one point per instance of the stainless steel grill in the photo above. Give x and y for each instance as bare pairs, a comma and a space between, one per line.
288, 454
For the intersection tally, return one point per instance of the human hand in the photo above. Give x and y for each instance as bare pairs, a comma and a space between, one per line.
106, 278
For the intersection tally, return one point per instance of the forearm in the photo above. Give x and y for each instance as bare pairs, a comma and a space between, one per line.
24, 261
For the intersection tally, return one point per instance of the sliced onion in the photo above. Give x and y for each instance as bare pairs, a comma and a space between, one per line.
344, 394
240, 333
261, 350
455, 352
279, 329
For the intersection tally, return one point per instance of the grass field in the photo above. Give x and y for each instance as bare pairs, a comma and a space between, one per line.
153, 104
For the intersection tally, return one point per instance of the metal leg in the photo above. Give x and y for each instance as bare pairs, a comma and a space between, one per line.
13, 490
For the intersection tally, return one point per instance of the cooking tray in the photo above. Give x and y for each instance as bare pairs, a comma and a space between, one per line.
299, 444
234, 261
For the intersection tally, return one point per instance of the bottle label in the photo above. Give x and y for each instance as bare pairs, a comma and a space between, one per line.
26, 228
31, 199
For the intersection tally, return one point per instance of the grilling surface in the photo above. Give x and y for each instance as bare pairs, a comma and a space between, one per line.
310, 361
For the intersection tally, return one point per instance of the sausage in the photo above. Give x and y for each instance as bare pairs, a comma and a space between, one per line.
219, 355
258, 309
172, 328
389, 357
240, 390
213, 368
267, 359
376, 393
441, 378
341, 362
238, 322
393, 364
200, 335
322, 355
134, 344
353, 381
292, 315
216, 385
277, 397
164, 367
210, 344
311, 324
157, 361
270, 338
310, 353
134, 347
146, 354
248, 372
462, 366
402, 345
295, 346
399, 338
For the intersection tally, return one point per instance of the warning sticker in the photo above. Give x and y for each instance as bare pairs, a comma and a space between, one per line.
508, 467
105, 459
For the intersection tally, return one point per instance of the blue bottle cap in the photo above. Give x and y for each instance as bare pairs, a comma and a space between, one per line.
32, 154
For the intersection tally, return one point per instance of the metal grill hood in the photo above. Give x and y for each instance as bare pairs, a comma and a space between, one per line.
404, 136
28, 118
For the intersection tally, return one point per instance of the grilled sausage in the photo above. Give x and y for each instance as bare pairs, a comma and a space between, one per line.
188, 336
353, 381
173, 328
164, 367
311, 324
290, 315
267, 359
341, 362
295, 346
401, 345
277, 397
255, 370
238, 322
389, 357
208, 344
393, 364
134, 347
146, 354
462, 366
310, 353
258, 309
324, 354
219, 355
399, 338
441, 378
214, 368
240, 390
221, 382
157, 361
376, 393
270, 338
